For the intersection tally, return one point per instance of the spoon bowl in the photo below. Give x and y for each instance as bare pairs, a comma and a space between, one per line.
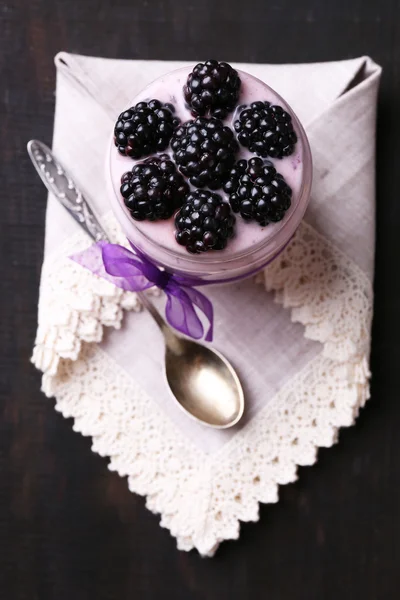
203, 383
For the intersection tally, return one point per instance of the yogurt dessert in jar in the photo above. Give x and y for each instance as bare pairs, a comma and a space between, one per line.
209, 172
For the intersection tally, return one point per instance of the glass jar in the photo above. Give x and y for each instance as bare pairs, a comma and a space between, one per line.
253, 247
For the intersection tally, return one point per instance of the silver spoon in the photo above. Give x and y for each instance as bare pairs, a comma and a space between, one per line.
202, 381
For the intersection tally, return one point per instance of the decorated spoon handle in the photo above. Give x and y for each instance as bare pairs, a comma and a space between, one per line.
58, 181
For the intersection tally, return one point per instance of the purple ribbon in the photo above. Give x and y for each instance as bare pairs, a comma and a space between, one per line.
134, 273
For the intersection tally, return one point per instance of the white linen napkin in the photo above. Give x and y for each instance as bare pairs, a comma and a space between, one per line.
301, 352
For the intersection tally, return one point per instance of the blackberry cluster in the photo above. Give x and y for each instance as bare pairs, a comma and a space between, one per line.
212, 88
205, 222
154, 189
257, 191
145, 128
266, 130
204, 150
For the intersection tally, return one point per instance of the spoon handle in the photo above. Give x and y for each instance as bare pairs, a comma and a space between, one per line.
58, 182
62, 186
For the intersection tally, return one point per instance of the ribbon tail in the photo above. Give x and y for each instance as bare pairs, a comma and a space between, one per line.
206, 307
115, 264
181, 314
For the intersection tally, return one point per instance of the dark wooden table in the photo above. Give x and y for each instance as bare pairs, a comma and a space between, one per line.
69, 529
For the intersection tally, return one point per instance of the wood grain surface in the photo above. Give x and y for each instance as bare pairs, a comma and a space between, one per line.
69, 529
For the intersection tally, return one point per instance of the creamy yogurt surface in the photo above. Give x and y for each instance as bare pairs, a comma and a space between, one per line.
169, 89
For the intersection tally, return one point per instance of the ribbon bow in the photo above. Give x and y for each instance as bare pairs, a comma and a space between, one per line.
134, 273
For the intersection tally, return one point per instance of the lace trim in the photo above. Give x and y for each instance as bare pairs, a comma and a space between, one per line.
74, 305
327, 293
203, 498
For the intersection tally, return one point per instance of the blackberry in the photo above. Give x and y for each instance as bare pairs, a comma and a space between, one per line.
266, 130
205, 222
154, 189
145, 128
212, 88
257, 191
204, 150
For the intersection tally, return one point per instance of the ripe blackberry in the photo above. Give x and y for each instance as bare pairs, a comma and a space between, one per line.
212, 87
205, 222
154, 189
145, 128
257, 191
266, 130
204, 150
